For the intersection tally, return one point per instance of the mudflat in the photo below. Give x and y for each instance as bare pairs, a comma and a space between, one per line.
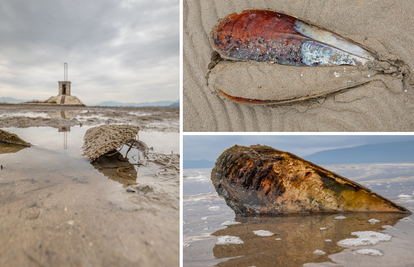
60, 209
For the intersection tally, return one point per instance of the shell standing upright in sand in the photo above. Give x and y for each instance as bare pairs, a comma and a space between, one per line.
102, 139
261, 180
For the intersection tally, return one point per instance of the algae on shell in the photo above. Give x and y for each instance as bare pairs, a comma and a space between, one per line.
261, 180
105, 138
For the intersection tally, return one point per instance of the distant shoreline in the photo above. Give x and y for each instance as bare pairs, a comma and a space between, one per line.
39, 104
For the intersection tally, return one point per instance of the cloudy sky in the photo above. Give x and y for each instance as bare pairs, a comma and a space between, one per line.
120, 50
196, 147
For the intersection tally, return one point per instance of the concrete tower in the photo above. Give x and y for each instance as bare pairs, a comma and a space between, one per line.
64, 96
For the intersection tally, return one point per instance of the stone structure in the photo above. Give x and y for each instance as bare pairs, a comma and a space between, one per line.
64, 97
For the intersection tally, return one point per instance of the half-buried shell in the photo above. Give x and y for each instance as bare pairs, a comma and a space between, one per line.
261, 180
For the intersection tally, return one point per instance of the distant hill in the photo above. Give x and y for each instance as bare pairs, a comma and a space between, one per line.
11, 100
176, 104
377, 153
133, 104
198, 164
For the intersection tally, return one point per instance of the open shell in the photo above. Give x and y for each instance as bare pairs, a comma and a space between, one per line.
292, 48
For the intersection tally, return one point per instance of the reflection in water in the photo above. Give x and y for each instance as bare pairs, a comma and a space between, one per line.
6, 148
110, 166
65, 131
295, 238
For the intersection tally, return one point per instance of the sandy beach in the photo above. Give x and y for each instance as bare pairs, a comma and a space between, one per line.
383, 103
60, 209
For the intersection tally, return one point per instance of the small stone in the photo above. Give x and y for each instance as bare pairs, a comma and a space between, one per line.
319, 252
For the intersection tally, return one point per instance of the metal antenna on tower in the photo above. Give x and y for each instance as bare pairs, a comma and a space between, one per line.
65, 72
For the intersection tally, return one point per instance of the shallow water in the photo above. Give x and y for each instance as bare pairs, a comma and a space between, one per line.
58, 209
213, 235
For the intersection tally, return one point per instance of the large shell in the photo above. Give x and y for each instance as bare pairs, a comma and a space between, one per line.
102, 139
257, 36
264, 35
266, 181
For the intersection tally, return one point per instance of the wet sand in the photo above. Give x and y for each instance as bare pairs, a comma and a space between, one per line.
58, 209
385, 104
148, 118
214, 236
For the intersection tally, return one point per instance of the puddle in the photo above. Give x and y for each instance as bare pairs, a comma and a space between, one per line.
58, 209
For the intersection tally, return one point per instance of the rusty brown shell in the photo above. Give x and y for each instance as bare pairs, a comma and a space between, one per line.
261, 180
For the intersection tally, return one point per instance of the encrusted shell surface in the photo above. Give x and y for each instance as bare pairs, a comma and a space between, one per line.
261, 180
102, 139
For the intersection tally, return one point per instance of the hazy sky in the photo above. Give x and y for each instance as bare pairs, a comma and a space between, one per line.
120, 50
198, 147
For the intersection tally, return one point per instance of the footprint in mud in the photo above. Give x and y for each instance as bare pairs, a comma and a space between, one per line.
31, 211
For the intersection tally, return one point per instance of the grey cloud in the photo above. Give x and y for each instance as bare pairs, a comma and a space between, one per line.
109, 45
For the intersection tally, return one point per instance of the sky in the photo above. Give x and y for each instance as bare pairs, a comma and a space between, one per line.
119, 50
197, 147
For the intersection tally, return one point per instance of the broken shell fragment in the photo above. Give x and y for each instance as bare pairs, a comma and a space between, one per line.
11, 138
105, 138
264, 35
261, 180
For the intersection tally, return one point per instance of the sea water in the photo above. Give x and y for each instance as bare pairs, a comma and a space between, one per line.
213, 235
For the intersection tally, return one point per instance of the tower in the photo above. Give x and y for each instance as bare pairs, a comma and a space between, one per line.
64, 86
64, 96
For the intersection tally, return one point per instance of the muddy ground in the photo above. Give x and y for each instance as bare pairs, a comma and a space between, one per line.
59, 209
148, 118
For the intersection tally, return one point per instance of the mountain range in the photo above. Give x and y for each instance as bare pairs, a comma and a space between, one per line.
141, 104
11, 100
394, 152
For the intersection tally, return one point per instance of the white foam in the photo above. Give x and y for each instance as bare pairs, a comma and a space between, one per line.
328, 240
340, 217
406, 219
319, 252
402, 196
204, 218
226, 223
227, 240
387, 226
214, 208
323, 228
365, 238
373, 221
369, 251
263, 233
